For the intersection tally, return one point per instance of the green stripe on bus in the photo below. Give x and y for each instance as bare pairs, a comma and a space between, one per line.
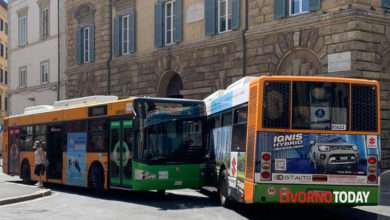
270, 193
128, 124
115, 124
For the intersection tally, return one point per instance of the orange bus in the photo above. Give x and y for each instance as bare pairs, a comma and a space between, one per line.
102, 142
296, 139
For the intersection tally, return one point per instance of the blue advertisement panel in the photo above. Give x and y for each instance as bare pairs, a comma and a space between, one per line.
76, 155
318, 153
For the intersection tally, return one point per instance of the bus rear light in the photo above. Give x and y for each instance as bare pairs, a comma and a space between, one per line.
266, 157
372, 160
265, 175
372, 179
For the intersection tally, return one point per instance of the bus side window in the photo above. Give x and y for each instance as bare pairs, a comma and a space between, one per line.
26, 138
239, 129
40, 133
276, 104
97, 135
227, 119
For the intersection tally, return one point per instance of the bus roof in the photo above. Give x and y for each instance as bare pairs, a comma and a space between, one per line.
85, 102
238, 92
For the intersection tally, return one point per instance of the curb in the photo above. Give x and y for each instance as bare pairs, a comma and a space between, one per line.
16, 199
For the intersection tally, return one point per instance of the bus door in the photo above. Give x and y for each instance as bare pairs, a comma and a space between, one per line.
54, 148
121, 152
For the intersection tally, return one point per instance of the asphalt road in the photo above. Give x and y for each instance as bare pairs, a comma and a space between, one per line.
71, 203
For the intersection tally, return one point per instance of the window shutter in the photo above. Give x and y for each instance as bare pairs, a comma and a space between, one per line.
132, 30
386, 4
92, 43
280, 8
159, 24
315, 5
79, 46
211, 17
178, 34
117, 36
236, 14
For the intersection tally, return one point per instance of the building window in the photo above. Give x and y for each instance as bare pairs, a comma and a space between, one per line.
22, 31
44, 24
45, 72
6, 28
1, 76
86, 40
2, 50
1, 24
85, 44
169, 22
6, 77
299, 7
23, 77
224, 16
6, 104
125, 35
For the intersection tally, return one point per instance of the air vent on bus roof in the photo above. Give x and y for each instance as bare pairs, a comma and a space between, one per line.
84, 101
241, 82
38, 109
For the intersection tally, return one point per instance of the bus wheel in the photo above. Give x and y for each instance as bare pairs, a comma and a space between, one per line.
97, 179
26, 173
223, 189
161, 192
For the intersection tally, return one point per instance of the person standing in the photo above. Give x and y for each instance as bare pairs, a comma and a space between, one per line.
40, 158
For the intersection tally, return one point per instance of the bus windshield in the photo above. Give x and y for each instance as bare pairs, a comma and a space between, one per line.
172, 132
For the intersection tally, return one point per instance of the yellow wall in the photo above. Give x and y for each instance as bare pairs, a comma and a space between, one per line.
3, 65
192, 31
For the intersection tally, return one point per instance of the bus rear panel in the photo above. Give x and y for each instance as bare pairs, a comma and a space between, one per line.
296, 140
317, 142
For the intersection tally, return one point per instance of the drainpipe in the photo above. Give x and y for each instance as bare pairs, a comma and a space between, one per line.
59, 52
243, 38
109, 61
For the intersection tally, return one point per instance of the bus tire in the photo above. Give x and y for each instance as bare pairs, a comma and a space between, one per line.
26, 173
161, 192
223, 189
96, 178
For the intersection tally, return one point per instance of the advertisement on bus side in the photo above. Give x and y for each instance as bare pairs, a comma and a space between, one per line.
76, 156
335, 154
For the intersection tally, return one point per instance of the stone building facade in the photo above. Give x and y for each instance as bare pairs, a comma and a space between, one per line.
320, 37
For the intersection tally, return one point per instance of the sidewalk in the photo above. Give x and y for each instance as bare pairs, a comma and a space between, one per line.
12, 191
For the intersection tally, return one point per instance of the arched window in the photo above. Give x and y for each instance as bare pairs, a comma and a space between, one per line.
175, 86
171, 85
300, 62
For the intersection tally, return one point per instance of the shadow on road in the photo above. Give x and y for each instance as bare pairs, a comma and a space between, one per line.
179, 200
169, 201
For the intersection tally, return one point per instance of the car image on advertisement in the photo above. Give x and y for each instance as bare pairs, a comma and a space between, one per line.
334, 157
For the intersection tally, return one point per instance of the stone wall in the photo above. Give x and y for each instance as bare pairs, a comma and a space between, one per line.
297, 45
88, 79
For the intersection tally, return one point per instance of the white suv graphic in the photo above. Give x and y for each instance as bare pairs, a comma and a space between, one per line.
328, 157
